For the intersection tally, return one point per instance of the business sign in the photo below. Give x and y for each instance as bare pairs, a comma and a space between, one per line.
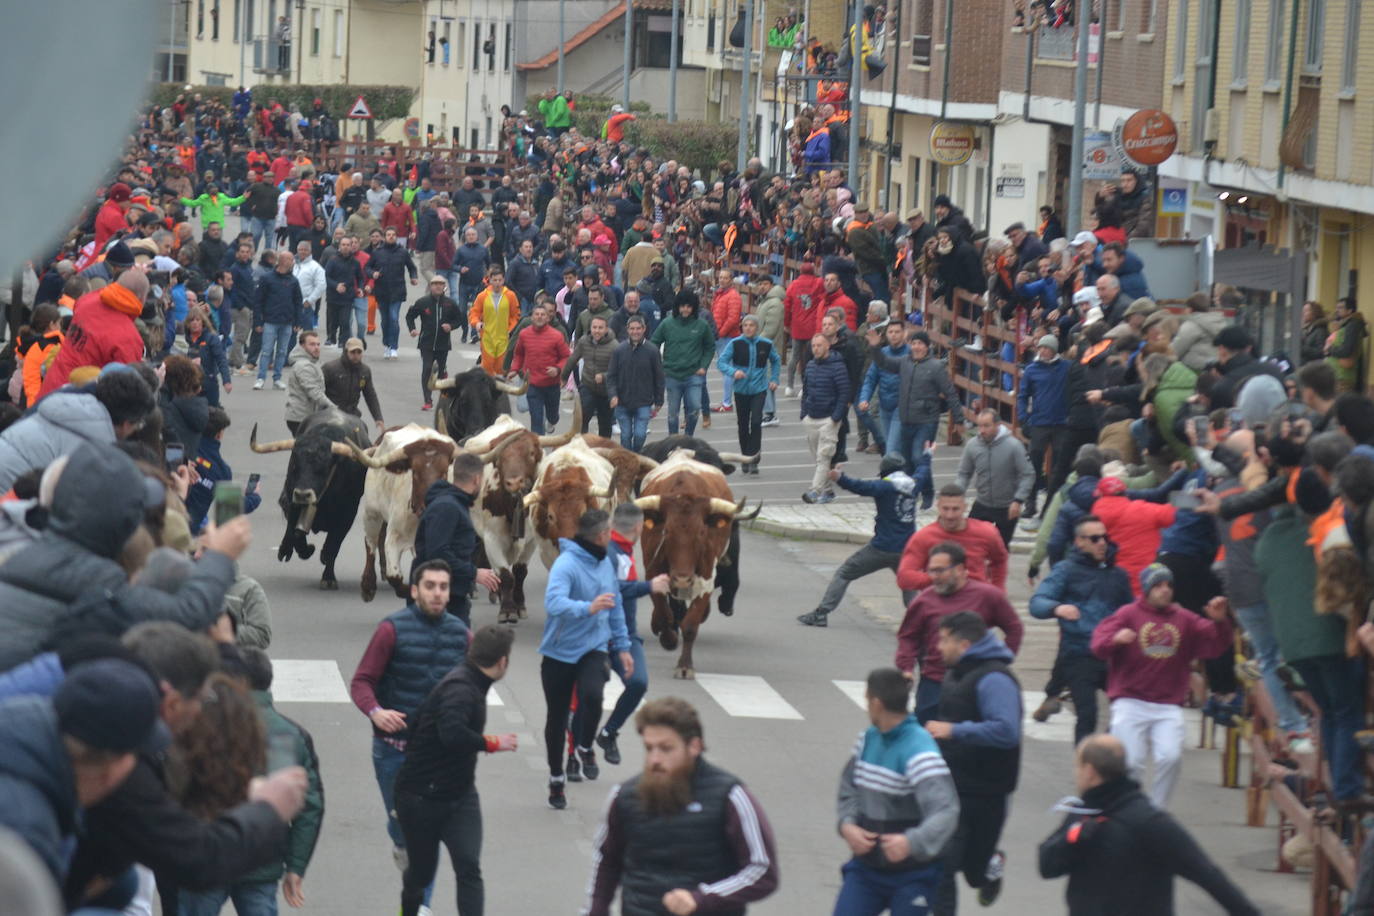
951, 143
1149, 137
1100, 159
1173, 201
1011, 186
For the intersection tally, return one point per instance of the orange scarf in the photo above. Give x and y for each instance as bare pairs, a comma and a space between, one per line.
122, 300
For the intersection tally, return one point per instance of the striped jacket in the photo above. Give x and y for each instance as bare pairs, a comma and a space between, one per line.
897, 782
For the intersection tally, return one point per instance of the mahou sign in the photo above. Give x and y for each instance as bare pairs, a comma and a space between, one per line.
1149, 137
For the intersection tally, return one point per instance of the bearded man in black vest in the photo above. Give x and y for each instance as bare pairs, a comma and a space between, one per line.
978, 727
684, 835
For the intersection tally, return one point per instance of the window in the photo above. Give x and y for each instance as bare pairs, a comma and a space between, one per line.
1202, 72
238, 17
476, 45
461, 44
1112, 19
1181, 42
510, 47
1351, 55
920, 36
1312, 44
200, 19
491, 52
1273, 54
338, 33
446, 43
1147, 17
1240, 46
711, 27
315, 32
430, 42
214, 21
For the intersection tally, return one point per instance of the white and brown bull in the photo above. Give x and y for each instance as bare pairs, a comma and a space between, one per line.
401, 468
513, 455
689, 514
572, 479
629, 466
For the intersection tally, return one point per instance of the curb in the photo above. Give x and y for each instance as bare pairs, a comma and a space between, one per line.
804, 533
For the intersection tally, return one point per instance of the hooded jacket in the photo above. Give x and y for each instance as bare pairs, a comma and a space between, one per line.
1175, 387
1193, 342
1131, 275
1045, 384
37, 784
895, 499
97, 504
183, 419
688, 344
999, 470
924, 390
769, 311
801, 304
305, 393
1155, 666
981, 700
1096, 589
102, 332
1078, 503
1134, 525
60, 423
570, 629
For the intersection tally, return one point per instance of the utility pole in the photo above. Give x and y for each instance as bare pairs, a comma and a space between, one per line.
672, 68
745, 129
629, 57
892, 112
1073, 219
562, 24
856, 72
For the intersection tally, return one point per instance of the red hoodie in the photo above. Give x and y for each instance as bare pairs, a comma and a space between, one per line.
1134, 525
109, 219
801, 303
1155, 666
102, 332
300, 208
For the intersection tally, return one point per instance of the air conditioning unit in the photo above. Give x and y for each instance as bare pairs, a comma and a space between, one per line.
1210, 128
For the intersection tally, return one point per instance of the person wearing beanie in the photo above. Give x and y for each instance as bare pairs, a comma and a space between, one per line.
1238, 363
1149, 646
894, 497
1042, 404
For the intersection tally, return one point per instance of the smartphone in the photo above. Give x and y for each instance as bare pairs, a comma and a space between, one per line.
227, 500
1184, 499
252, 483
175, 456
1236, 419
1201, 427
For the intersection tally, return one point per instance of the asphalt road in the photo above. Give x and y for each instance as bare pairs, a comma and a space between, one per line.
777, 701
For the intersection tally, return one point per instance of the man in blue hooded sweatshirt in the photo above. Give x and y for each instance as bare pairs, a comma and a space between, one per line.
584, 612
979, 732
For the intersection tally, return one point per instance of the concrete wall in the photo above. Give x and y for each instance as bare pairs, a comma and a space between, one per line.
1020, 150
385, 43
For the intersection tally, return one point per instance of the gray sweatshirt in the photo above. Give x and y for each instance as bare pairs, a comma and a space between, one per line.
999, 471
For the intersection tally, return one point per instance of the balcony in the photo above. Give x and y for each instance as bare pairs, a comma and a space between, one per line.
268, 56
1055, 44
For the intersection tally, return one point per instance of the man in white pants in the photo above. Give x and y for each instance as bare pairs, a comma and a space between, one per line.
825, 401
1149, 647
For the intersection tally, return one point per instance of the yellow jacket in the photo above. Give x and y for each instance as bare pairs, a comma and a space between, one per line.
497, 319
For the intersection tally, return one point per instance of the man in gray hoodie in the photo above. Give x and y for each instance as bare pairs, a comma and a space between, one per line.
305, 385
996, 463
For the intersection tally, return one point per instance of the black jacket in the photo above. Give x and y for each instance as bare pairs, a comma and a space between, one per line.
262, 200
446, 736
346, 271
427, 230
1235, 373
212, 255
345, 383
1122, 859
445, 533
636, 375
389, 265
961, 269
277, 300
184, 419
432, 313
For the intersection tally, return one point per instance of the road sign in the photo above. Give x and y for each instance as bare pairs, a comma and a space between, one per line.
360, 110
1100, 159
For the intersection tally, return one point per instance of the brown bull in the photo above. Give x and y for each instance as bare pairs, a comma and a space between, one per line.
572, 480
629, 466
689, 513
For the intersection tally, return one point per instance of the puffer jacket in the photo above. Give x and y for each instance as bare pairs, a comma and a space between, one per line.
825, 392
769, 311
62, 421
595, 357
887, 383
305, 385
1175, 387
37, 784
1193, 342
1079, 502
1096, 589
96, 506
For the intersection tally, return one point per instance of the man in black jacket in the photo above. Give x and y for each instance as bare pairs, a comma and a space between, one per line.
445, 533
1121, 852
634, 383
277, 310
343, 282
426, 233
1237, 363
389, 265
261, 207
436, 791
438, 315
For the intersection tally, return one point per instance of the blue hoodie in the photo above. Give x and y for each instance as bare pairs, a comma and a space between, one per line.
895, 496
1046, 386
1077, 503
888, 384
1096, 589
999, 700
570, 629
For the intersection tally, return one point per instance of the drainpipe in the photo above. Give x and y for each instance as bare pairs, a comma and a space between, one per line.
1030, 70
892, 110
949, 51
1288, 82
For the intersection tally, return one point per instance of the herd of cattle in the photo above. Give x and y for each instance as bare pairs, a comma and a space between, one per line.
533, 490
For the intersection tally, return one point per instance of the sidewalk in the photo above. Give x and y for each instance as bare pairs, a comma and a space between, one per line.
842, 522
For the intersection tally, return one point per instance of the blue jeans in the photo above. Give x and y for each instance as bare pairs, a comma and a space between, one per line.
261, 229
727, 380
390, 317
1259, 626
249, 900
276, 344
308, 317
386, 763
911, 441
872, 420
359, 319
1337, 684
634, 427
927, 698
687, 389
635, 687
877, 282
867, 891
543, 401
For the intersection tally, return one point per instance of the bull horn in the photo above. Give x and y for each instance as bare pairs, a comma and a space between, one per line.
599, 494
648, 503
751, 516
349, 449
440, 424
440, 384
573, 429
503, 385
281, 445
737, 458
492, 454
531, 498
723, 507
646, 464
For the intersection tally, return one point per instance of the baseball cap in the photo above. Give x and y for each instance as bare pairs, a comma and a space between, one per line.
1084, 238
353, 343
111, 705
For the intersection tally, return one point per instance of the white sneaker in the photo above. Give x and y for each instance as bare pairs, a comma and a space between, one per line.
279, 385
425, 911
787, 392
400, 857
258, 385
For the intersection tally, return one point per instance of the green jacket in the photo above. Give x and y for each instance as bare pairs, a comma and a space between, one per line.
687, 345
769, 311
556, 112
1174, 389
305, 829
1289, 573
212, 208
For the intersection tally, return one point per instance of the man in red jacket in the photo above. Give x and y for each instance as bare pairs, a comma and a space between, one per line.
300, 212
802, 319
1149, 647
987, 553
398, 215
102, 329
726, 308
951, 591
112, 215
835, 298
540, 351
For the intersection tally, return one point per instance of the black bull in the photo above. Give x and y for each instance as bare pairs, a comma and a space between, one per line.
469, 402
323, 486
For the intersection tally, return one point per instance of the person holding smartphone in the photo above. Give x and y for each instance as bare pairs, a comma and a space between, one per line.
211, 466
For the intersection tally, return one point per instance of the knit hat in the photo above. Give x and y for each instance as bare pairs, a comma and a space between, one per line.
119, 255
1049, 340
1153, 575
1233, 337
942, 200
1110, 486
891, 462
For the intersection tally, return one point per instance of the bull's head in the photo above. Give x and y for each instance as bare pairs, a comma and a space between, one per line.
516, 459
559, 501
427, 460
467, 401
684, 535
312, 467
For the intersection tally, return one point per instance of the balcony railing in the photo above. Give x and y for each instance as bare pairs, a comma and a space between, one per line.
1055, 44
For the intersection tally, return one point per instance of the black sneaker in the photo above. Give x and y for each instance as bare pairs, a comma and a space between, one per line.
609, 749
814, 619
573, 770
557, 800
589, 768
992, 885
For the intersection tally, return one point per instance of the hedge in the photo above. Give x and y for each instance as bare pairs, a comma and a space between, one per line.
696, 144
386, 102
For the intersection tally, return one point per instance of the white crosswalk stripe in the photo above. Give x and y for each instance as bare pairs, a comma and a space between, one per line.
855, 690
308, 680
747, 696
